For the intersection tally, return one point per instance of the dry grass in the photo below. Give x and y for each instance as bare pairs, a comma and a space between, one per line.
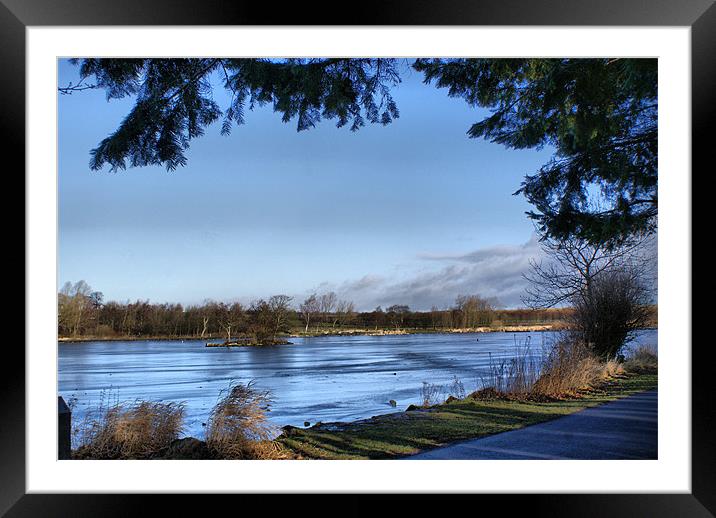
457, 389
566, 369
128, 431
613, 369
431, 394
570, 369
643, 360
238, 427
514, 377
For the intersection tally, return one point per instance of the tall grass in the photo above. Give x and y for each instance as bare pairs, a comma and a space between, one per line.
128, 430
570, 368
516, 375
565, 368
642, 360
457, 389
238, 427
431, 394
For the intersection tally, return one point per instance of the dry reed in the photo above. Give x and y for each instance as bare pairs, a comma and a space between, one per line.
431, 394
238, 427
457, 389
128, 431
515, 376
566, 369
642, 360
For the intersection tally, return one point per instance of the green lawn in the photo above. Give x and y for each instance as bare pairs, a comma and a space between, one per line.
404, 433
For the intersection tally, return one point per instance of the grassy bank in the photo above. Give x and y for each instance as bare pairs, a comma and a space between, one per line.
405, 433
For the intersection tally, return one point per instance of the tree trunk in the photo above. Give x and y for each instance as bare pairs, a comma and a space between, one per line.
203, 331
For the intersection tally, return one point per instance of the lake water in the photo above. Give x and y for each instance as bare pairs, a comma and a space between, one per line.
315, 379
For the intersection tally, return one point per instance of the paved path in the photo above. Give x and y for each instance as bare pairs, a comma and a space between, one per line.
622, 429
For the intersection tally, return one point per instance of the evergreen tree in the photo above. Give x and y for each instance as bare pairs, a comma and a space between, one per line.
600, 116
174, 102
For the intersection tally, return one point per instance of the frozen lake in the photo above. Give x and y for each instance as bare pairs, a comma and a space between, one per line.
337, 378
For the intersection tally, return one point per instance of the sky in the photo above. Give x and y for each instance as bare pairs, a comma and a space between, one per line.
411, 213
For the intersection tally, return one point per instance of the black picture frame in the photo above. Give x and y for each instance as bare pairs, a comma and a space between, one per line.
700, 15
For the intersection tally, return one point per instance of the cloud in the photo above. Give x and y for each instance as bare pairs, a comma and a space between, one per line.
493, 272
490, 254
365, 283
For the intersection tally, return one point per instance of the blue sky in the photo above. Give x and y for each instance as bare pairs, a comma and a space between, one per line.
385, 215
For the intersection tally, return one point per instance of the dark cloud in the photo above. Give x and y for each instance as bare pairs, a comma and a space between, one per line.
493, 272
365, 283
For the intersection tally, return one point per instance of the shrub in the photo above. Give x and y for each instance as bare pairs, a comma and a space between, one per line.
570, 367
566, 368
128, 431
430, 394
105, 330
613, 368
457, 389
643, 360
238, 427
515, 376
607, 315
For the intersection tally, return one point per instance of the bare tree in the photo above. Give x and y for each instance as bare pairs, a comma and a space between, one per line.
434, 316
396, 314
608, 287
205, 323
231, 317
309, 309
570, 266
210, 315
607, 316
327, 302
279, 307
474, 310
344, 312
74, 303
378, 317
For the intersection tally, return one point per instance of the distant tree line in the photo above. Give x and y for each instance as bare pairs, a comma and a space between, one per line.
83, 312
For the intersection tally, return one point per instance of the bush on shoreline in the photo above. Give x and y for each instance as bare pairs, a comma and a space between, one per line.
571, 368
567, 369
643, 360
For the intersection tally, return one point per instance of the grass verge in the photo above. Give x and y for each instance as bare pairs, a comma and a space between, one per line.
395, 435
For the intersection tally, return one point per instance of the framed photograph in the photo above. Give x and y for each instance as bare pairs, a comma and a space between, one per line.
440, 249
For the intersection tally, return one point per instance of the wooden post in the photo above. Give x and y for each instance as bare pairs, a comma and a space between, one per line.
64, 420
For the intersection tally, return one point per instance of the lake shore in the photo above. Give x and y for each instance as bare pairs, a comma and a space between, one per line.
304, 378
527, 328
420, 429
417, 430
